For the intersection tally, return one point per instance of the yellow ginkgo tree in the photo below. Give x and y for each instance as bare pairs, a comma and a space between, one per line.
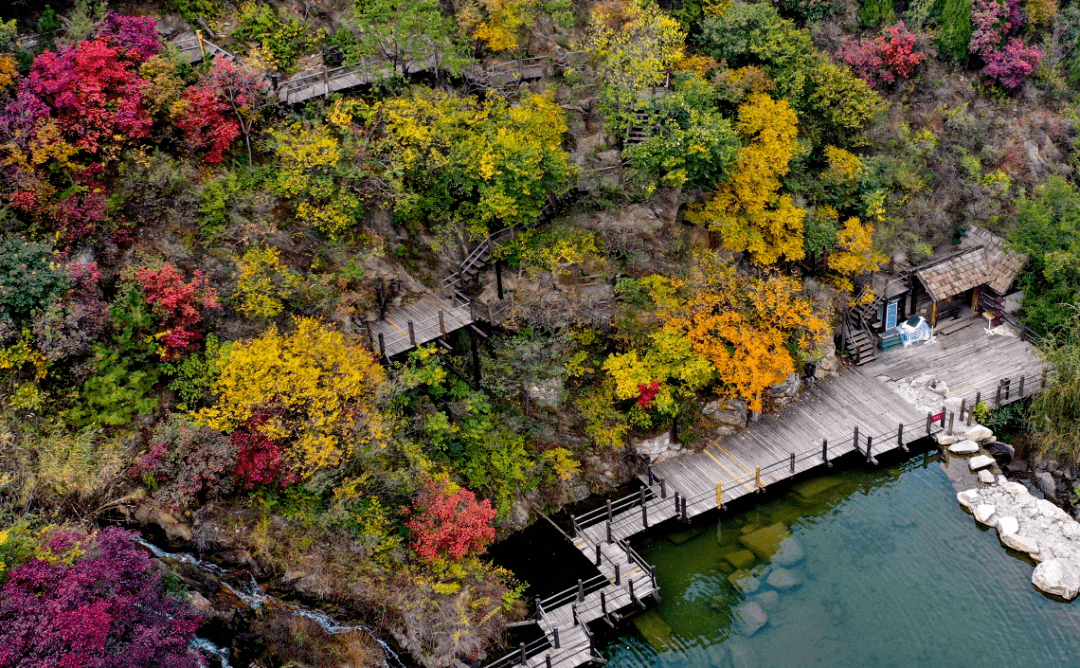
318, 393
636, 41
748, 209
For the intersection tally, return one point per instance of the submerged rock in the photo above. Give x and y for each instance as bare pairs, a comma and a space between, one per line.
751, 617
770, 600
784, 580
1057, 577
744, 582
740, 558
765, 542
789, 553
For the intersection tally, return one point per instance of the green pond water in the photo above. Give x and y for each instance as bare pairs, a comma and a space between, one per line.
895, 573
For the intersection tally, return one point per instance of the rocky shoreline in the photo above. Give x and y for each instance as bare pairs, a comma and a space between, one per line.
1033, 526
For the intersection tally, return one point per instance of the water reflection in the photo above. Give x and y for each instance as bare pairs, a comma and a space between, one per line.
864, 568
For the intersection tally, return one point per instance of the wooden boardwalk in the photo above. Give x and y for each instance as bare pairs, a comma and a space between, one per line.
968, 360
418, 323
856, 411
303, 87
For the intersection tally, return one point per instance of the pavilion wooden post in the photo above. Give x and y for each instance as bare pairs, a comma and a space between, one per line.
757, 480
933, 314
975, 299
498, 278
900, 438
442, 324
202, 46
825, 452
412, 334
719, 494
855, 439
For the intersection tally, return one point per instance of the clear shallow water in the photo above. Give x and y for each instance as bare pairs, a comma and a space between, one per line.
895, 574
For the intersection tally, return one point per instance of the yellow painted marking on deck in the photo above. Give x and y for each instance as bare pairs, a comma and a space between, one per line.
721, 465
737, 462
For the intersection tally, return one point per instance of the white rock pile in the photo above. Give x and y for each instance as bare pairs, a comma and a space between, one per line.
1034, 526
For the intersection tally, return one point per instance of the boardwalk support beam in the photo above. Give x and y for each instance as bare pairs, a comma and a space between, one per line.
869, 446
825, 452
900, 438
644, 510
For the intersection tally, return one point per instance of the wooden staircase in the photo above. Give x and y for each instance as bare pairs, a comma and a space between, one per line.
858, 338
640, 128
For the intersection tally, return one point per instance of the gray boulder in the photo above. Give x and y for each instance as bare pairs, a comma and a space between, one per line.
1057, 577
1045, 481
977, 432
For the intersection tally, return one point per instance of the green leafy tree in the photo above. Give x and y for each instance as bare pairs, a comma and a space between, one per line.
833, 104
690, 143
29, 277
1048, 231
877, 13
1055, 411
408, 33
956, 29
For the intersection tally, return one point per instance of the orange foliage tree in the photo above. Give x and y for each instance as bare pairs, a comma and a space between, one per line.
750, 329
747, 209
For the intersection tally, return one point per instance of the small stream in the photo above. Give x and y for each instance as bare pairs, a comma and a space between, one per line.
246, 589
892, 573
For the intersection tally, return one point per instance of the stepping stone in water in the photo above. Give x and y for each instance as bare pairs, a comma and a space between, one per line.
965, 447
980, 462
986, 477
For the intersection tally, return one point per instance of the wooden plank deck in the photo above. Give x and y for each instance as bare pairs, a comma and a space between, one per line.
424, 315
966, 359
829, 411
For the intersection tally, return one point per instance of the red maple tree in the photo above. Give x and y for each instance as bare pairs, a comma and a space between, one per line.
449, 523
179, 305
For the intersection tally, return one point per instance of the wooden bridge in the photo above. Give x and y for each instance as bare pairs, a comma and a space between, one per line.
855, 412
193, 48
